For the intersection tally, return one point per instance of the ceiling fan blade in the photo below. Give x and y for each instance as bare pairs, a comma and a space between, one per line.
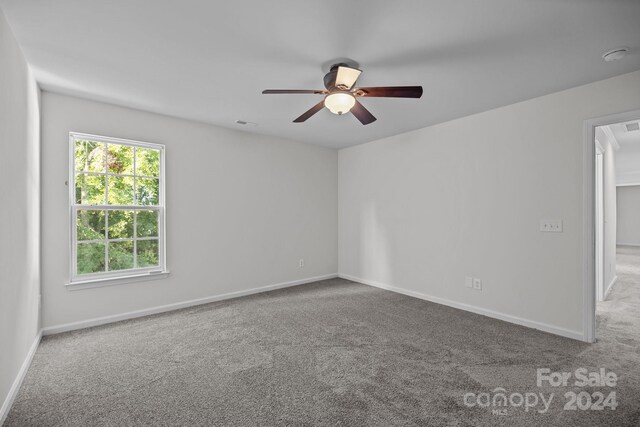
347, 77
390, 91
319, 106
362, 114
289, 91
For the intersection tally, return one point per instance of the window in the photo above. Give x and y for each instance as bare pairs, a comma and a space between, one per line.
117, 208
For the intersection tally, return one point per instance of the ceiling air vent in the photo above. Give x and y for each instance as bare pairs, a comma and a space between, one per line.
633, 126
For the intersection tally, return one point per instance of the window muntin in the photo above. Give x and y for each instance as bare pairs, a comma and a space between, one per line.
117, 207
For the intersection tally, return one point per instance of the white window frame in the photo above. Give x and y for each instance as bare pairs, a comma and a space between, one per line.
115, 277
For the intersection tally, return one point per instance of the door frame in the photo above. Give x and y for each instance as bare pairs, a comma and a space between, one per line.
599, 221
588, 216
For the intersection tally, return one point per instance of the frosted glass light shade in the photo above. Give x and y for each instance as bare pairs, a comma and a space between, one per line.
339, 103
346, 77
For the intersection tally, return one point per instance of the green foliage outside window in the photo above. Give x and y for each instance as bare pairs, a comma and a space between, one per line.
123, 175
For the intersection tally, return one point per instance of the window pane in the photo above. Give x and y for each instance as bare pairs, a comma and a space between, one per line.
120, 255
127, 178
90, 225
120, 159
147, 253
120, 224
147, 162
120, 190
90, 156
90, 258
147, 224
147, 191
90, 189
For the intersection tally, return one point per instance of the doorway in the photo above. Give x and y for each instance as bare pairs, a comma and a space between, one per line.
612, 218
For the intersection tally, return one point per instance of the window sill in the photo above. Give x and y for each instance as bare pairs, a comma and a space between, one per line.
110, 281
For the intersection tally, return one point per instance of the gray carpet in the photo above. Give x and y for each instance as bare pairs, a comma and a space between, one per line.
332, 353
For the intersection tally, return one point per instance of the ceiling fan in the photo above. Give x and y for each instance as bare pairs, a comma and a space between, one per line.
340, 94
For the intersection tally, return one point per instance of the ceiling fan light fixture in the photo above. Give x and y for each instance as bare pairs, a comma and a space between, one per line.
339, 102
340, 96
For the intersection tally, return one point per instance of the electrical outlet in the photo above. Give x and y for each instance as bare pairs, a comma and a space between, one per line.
477, 284
551, 225
301, 263
468, 282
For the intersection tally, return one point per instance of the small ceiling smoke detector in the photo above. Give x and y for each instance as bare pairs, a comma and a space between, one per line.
242, 122
615, 54
632, 126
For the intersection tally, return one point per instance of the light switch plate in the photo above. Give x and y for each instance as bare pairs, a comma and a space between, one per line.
551, 225
468, 282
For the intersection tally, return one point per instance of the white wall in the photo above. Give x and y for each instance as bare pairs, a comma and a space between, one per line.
628, 215
421, 210
19, 212
242, 210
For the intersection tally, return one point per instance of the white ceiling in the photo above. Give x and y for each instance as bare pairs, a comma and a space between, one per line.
209, 60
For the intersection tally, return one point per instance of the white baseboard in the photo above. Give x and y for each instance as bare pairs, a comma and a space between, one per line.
176, 306
606, 291
474, 309
627, 244
15, 387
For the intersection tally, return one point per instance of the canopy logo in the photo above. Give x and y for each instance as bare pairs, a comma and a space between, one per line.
499, 399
